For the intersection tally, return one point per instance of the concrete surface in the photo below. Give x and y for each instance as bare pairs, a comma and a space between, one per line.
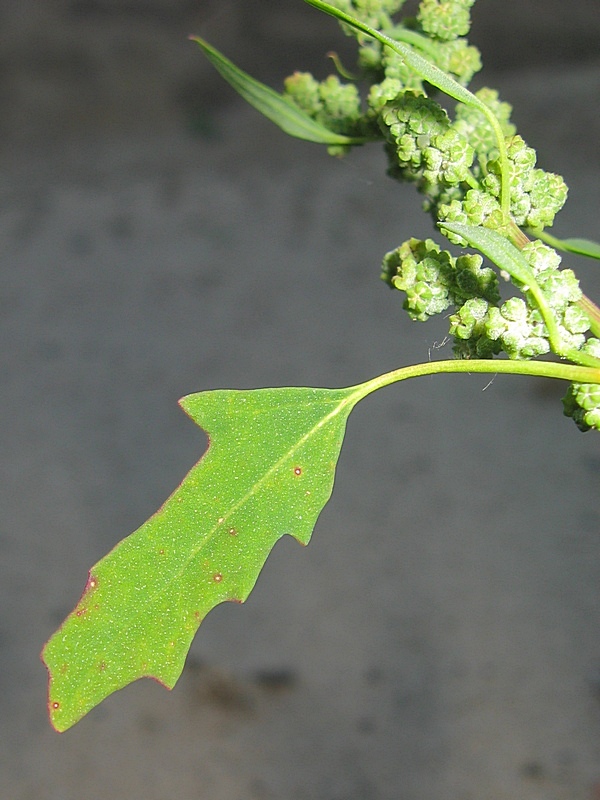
439, 637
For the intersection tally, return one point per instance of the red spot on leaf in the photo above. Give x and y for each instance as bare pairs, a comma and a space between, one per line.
297, 470
80, 612
232, 532
217, 577
55, 705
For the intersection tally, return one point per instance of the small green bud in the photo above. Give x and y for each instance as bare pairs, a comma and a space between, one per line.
575, 319
582, 404
592, 347
340, 109
380, 94
475, 280
541, 257
548, 194
424, 272
474, 126
468, 319
459, 58
478, 206
561, 287
303, 89
445, 19
520, 330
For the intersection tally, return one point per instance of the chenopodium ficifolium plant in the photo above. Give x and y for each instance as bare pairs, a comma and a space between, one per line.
270, 464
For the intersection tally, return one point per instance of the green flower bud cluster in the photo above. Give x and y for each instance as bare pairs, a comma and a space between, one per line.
476, 208
475, 127
433, 279
459, 58
423, 145
513, 327
517, 327
536, 196
445, 19
334, 104
455, 162
582, 400
376, 13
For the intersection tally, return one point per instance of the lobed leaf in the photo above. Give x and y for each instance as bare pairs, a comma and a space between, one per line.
268, 471
291, 119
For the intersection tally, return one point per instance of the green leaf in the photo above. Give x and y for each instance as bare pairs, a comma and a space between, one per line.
583, 247
497, 248
291, 119
268, 471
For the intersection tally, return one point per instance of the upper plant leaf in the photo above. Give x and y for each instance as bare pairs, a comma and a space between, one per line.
284, 113
582, 247
268, 470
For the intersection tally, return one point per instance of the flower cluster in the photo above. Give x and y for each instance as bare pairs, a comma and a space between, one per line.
582, 400
445, 20
334, 104
453, 157
433, 279
422, 144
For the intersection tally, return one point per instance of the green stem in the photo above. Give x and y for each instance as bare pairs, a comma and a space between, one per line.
543, 369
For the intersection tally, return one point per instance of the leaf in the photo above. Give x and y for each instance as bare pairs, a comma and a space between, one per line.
284, 113
268, 471
424, 68
497, 248
583, 247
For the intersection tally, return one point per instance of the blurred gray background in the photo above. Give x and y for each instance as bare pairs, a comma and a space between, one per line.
439, 637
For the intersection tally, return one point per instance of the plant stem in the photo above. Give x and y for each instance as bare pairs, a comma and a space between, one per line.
543, 369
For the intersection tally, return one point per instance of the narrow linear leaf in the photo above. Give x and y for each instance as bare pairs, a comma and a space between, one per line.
497, 248
424, 68
285, 114
268, 471
583, 247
